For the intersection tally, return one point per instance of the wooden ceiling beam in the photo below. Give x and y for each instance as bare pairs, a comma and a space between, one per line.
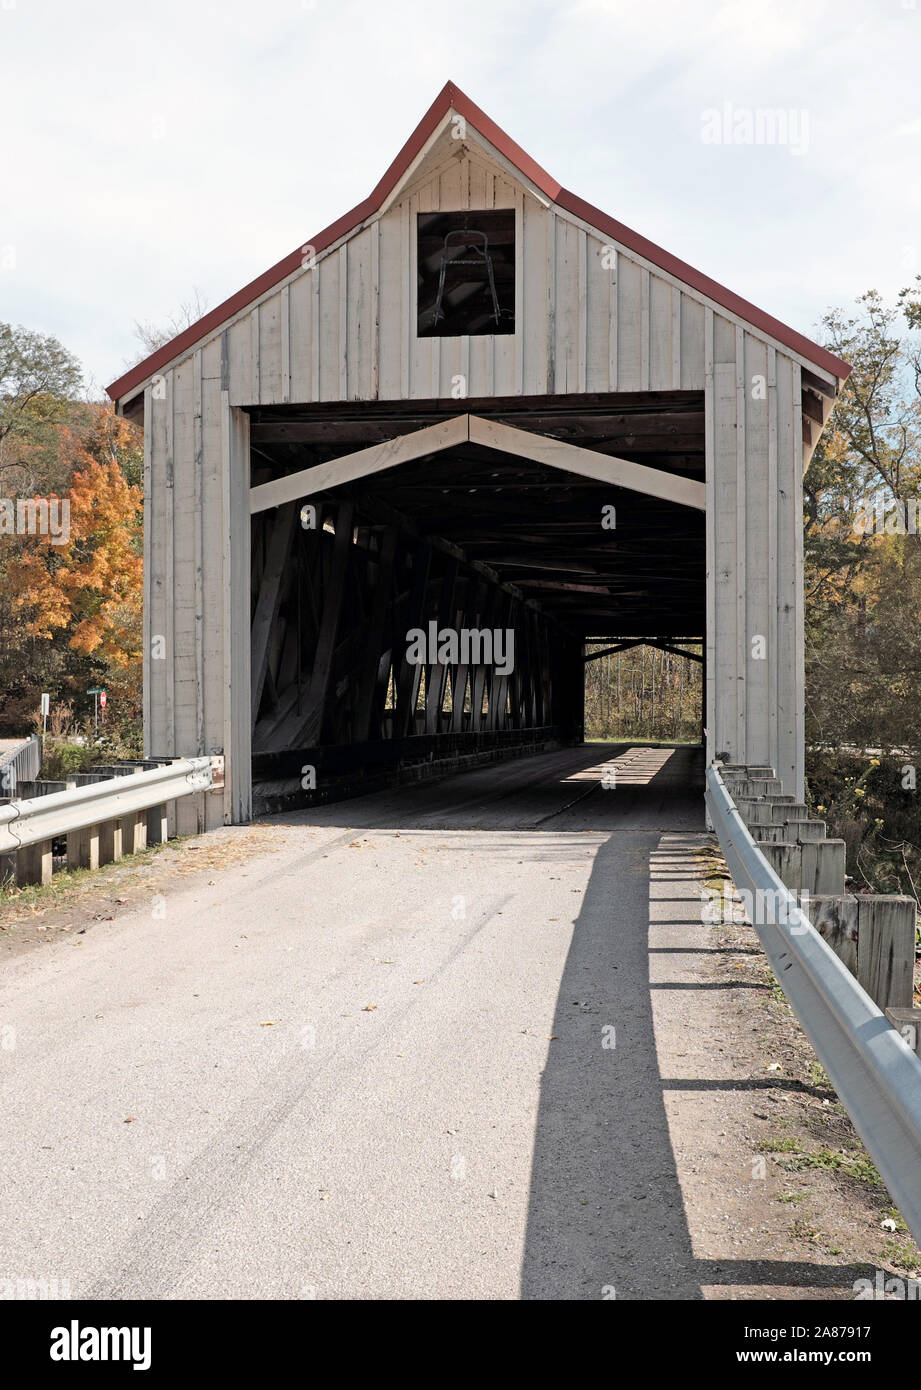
489, 434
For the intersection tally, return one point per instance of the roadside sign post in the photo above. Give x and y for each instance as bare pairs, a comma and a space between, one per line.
46, 707
96, 691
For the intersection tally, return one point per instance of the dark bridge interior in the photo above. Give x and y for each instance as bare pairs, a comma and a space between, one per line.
467, 538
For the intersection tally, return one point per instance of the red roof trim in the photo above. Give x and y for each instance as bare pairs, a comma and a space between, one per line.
452, 98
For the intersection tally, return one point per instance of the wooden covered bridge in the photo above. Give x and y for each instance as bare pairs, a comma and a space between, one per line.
395, 485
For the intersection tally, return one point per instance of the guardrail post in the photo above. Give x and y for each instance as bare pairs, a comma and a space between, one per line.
907, 1023
83, 848
157, 825
110, 842
835, 919
815, 866
34, 863
874, 935
771, 810
134, 832
886, 949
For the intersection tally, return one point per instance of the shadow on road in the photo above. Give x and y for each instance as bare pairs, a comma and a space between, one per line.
606, 1210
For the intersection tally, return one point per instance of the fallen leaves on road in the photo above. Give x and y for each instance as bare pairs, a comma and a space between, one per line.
134, 879
369, 1008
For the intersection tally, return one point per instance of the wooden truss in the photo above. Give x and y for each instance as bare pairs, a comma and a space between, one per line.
490, 434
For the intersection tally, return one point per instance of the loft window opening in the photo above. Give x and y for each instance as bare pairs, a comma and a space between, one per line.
466, 273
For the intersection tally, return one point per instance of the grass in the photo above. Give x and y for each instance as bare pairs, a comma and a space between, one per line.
777, 1145
804, 1232
856, 1166
778, 995
902, 1254
818, 1076
64, 880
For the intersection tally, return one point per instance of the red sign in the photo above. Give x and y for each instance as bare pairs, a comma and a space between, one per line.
102, 699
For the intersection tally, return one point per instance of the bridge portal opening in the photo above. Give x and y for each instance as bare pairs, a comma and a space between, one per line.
649, 689
428, 577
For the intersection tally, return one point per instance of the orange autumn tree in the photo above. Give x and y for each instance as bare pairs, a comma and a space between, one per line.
88, 588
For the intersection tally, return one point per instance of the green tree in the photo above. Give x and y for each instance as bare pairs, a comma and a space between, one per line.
39, 378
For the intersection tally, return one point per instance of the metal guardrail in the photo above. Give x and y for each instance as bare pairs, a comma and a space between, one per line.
41, 818
876, 1075
20, 764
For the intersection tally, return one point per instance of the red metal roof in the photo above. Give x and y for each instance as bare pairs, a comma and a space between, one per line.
452, 98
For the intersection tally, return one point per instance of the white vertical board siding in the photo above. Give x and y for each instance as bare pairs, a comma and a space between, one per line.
532, 335
345, 328
329, 273
270, 354
212, 492
599, 317
709, 673
629, 324
185, 519
570, 301
754, 523
359, 309
590, 317
661, 329
238, 791
760, 588
300, 307
148, 571
158, 577
726, 673
795, 567
692, 343
186, 503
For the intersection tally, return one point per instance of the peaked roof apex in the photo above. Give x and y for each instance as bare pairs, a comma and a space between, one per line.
449, 99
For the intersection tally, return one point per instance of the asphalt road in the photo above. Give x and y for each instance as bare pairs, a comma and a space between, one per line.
375, 1063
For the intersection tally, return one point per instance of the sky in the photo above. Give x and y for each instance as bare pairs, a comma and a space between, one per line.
149, 150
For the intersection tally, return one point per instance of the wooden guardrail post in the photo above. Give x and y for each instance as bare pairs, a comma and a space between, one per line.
812, 866
83, 848
110, 842
134, 832
34, 864
157, 825
907, 1023
874, 935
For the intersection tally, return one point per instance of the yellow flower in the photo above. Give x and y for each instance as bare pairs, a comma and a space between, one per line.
874, 762
859, 791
